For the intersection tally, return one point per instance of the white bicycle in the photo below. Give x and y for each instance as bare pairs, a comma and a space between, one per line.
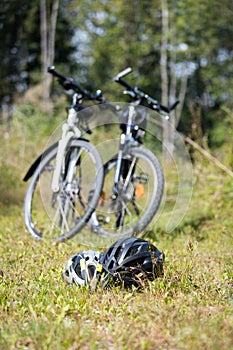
67, 178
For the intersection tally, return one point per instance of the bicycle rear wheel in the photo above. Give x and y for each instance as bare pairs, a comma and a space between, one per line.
62, 214
139, 195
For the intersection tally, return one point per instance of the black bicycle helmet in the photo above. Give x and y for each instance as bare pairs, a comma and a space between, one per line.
132, 261
83, 268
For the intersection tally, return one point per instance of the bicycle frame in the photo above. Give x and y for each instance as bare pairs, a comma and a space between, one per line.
59, 199
70, 130
126, 140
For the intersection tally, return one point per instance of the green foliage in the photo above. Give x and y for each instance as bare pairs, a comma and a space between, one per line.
95, 40
20, 46
217, 135
120, 37
199, 44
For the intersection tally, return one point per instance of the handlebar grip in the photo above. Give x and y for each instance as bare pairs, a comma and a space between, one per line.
69, 83
169, 108
164, 108
173, 106
52, 71
66, 82
122, 74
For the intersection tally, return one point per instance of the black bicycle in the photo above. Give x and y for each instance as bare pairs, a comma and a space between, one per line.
133, 178
67, 178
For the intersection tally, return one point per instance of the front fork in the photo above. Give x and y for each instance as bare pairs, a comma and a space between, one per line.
124, 140
118, 167
67, 135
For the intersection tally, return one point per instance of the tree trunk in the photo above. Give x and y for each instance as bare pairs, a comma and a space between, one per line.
164, 73
172, 91
52, 32
182, 93
43, 37
195, 109
48, 32
164, 78
169, 86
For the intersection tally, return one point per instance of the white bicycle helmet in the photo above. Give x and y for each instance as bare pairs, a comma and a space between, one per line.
83, 268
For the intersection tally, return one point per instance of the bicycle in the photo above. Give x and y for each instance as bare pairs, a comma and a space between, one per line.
133, 178
67, 178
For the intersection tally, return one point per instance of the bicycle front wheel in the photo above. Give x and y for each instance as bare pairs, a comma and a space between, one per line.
61, 215
140, 190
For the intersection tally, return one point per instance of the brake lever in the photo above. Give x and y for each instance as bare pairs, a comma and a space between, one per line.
130, 93
86, 128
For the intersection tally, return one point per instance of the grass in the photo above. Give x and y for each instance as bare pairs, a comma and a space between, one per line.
189, 308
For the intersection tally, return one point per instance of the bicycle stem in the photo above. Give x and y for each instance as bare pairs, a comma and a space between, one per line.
130, 120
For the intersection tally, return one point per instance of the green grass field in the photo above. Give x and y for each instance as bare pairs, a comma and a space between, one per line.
189, 308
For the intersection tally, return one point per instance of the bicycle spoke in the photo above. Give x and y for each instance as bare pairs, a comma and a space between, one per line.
64, 221
65, 212
139, 194
127, 180
135, 206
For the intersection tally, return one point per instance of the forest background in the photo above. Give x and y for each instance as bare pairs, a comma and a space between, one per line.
177, 49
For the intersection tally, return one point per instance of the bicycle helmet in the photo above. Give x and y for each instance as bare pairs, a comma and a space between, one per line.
83, 268
132, 261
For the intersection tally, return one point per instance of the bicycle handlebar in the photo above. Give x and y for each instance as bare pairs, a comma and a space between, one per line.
69, 84
136, 93
122, 74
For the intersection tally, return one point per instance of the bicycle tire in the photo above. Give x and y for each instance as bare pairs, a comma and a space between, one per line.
105, 224
62, 215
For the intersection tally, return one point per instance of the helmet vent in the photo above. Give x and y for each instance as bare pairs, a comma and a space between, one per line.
118, 253
91, 270
133, 251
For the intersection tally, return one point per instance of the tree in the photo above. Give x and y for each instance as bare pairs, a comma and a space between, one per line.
48, 31
20, 54
204, 30
167, 128
169, 78
119, 37
15, 50
195, 56
97, 39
